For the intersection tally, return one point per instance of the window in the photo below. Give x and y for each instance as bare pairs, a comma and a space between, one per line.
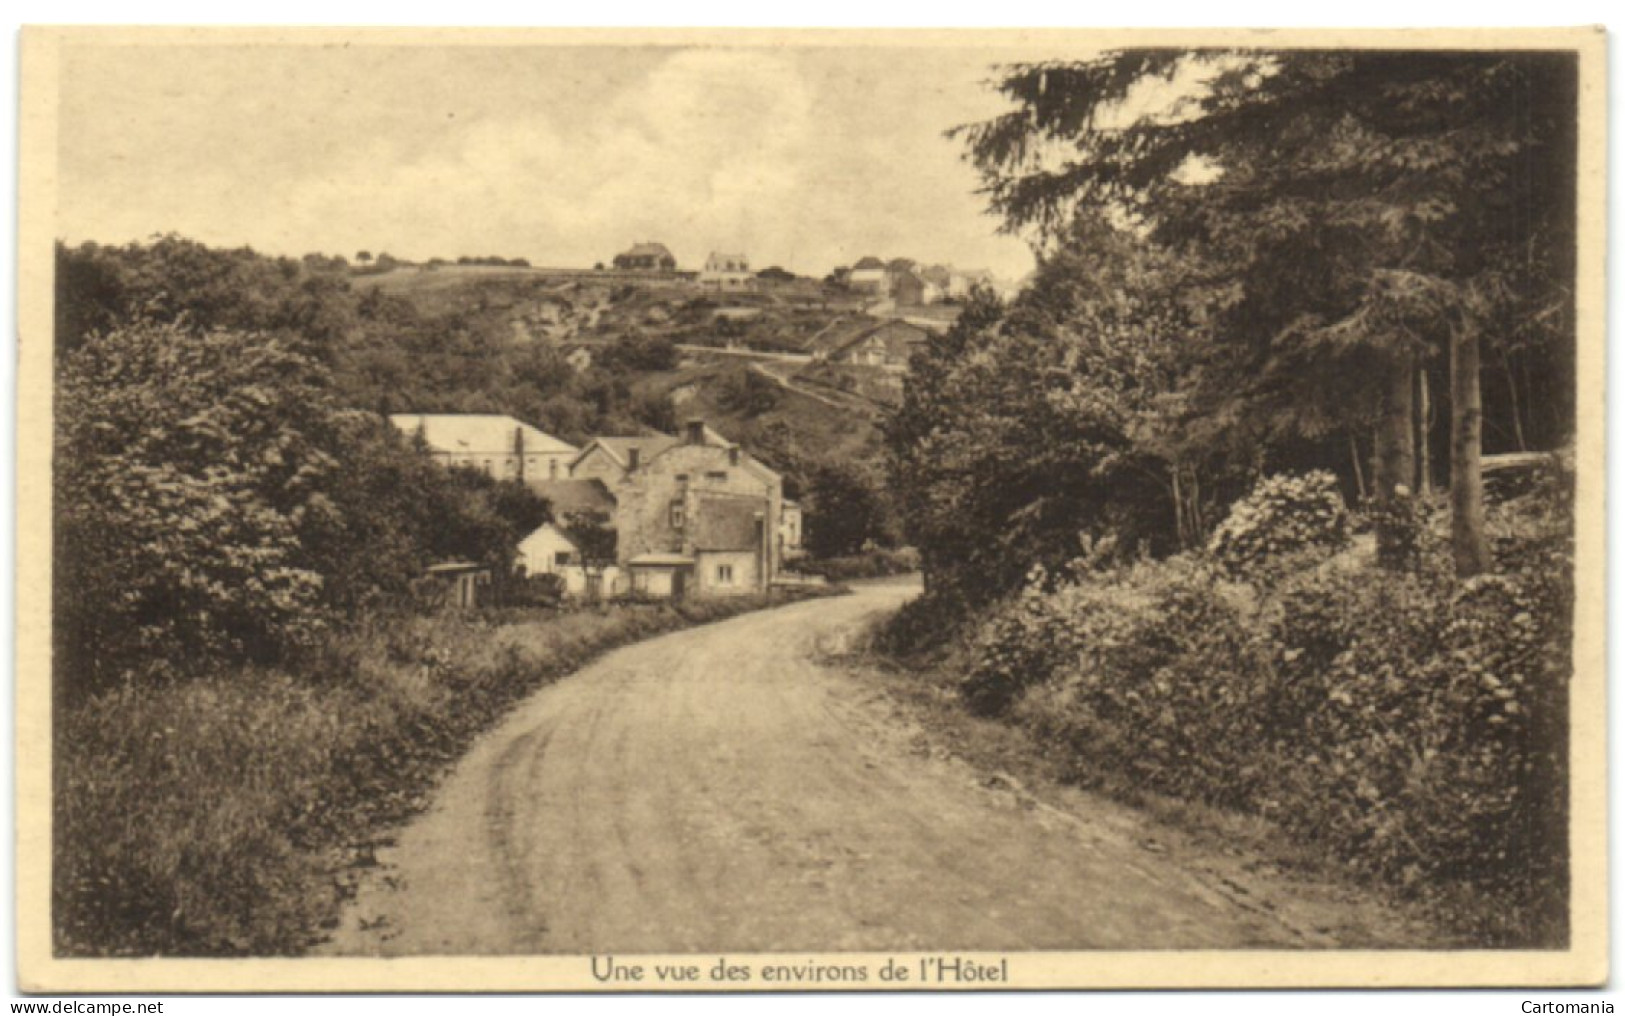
717, 476
725, 574
561, 558
677, 514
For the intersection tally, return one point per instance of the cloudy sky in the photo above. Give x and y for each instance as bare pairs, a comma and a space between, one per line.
803, 157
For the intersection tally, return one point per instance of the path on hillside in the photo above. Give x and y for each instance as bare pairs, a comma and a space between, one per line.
720, 790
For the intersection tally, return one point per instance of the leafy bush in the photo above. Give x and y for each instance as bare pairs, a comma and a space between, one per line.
1412, 725
189, 469
1156, 681
1283, 514
1423, 725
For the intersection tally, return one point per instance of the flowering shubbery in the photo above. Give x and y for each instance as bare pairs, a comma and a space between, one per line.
1283, 515
1412, 724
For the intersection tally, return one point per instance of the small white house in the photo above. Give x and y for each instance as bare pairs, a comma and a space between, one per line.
548, 551
726, 271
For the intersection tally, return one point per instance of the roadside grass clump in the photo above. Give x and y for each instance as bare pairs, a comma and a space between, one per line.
878, 562
216, 814
1410, 725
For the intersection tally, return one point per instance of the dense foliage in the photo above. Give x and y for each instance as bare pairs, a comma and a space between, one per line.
219, 495
1283, 515
1317, 277
1269, 274
1412, 724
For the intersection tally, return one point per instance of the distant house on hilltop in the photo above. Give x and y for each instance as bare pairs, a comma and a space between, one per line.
498, 445
726, 271
869, 275
909, 289
646, 257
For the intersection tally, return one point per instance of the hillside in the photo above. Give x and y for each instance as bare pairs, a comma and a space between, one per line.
741, 365
581, 305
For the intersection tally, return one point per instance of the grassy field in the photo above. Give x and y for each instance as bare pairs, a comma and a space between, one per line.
220, 816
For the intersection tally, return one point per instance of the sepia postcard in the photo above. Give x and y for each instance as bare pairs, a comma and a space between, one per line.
761, 510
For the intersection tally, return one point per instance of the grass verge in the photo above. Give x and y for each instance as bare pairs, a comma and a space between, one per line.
213, 816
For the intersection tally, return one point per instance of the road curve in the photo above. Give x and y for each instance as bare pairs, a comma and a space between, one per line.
718, 790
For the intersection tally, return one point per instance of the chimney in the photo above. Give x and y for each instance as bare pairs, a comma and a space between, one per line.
733, 456
631, 459
696, 431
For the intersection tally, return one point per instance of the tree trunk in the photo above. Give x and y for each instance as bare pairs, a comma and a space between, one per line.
1359, 472
1198, 523
1467, 541
1512, 393
1179, 509
1424, 434
1395, 468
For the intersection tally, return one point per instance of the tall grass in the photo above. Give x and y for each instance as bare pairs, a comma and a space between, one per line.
212, 816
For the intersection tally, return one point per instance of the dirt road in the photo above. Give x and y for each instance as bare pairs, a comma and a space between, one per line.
718, 790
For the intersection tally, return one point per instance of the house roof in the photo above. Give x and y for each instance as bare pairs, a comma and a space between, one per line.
648, 446
573, 496
717, 255
650, 249
660, 560
838, 333
454, 568
899, 337
726, 523
651, 445
868, 262
547, 528
477, 433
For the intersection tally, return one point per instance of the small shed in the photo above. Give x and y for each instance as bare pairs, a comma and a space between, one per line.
462, 581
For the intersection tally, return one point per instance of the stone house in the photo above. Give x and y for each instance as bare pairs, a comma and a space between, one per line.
888, 344
694, 515
610, 458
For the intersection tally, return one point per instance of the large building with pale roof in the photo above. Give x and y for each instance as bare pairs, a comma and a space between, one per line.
497, 445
